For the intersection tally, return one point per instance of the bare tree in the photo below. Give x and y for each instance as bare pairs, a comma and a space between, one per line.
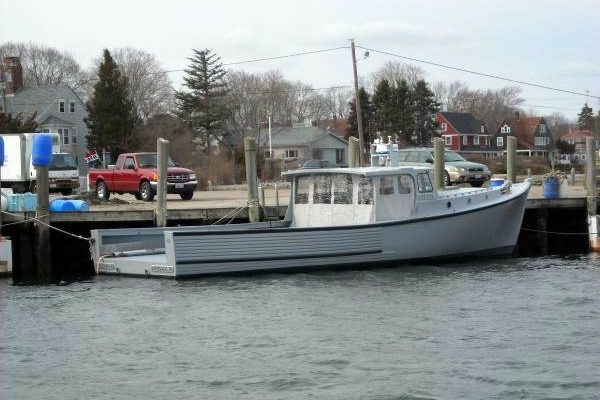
394, 72
46, 66
149, 85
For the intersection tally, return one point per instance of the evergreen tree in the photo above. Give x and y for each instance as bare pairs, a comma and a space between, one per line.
586, 118
402, 104
10, 124
383, 109
425, 109
111, 118
366, 108
204, 105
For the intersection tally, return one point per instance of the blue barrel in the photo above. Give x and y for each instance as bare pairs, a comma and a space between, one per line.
1, 151
551, 188
68, 205
42, 150
496, 182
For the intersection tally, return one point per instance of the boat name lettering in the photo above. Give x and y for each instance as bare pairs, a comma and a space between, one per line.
165, 269
106, 267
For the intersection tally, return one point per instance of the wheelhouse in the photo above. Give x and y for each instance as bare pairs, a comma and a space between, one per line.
334, 197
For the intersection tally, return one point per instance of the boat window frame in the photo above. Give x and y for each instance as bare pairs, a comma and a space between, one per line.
388, 188
411, 189
424, 187
346, 196
316, 194
360, 192
297, 187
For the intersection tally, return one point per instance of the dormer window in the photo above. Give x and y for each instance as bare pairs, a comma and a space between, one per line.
71, 106
482, 130
505, 129
444, 127
542, 128
61, 106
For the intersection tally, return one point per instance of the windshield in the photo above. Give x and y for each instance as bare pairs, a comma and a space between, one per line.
61, 162
150, 161
452, 156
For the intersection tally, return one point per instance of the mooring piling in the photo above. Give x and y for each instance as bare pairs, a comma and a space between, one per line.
353, 150
438, 163
160, 212
592, 200
511, 158
41, 158
251, 179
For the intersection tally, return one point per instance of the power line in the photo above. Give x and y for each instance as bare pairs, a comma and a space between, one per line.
480, 73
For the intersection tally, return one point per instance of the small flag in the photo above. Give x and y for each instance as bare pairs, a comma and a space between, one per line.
91, 157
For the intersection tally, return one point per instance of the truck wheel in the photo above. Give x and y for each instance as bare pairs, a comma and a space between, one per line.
137, 196
146, 191
66, 192
187, 195
102, 191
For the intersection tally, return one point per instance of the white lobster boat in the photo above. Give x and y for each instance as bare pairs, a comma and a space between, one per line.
337, 218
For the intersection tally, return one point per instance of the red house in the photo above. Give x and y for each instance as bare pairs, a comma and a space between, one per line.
463, 132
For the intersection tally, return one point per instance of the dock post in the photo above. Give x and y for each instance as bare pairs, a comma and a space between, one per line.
42, 230
572, 176
438, 163
352, 152
160, 212
277, 199
511, 158
251, 179
590, 178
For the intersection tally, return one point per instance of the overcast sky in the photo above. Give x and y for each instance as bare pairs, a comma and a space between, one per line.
553, 43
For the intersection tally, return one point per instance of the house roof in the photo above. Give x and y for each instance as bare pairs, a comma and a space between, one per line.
523, 129
464, 123
38, 99
576, 135
296, 136
338, 126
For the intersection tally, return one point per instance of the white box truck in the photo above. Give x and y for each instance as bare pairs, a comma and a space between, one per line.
18, 171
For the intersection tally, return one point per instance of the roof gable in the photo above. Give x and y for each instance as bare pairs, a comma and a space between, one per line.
40, 100
464, 123
296, 136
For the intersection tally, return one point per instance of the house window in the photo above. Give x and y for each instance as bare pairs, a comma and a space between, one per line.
61, 106
542, 128
505, 129
540, 141
444, 127
448, 140
583, 157
465, 140
291, 154
64, 135
500, 141
45, 130
339, 156
73, 136
482, 130
476, 140
71, 106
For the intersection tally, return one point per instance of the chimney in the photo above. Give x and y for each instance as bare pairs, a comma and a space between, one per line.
517, 115
13, 75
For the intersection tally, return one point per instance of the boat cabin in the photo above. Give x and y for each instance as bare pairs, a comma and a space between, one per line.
356, 196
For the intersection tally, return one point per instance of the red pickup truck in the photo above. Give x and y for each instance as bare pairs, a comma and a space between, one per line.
136, 173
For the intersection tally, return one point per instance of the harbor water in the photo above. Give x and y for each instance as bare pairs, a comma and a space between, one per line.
501, 328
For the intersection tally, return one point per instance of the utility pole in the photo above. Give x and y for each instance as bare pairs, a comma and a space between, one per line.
361, 136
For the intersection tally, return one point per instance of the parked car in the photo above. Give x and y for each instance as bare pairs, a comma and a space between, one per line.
458, 170
136, 173
315, 164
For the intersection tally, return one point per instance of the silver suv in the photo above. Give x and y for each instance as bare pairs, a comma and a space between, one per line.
458, 170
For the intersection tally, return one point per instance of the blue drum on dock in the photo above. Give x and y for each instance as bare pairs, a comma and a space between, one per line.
551, 188
68, 205
495, 182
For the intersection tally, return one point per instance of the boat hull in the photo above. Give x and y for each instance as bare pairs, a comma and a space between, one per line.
489, 230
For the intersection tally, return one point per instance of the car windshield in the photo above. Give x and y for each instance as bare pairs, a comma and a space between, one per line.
150, 161
61, 162
452, 156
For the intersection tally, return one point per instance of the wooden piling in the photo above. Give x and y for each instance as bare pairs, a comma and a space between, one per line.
160, 211
438, 163
42, 230
592, 200
353, 152
511, 158
251, 179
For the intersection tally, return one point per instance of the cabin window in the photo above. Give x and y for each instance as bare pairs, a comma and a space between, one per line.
402, 155
424, 183
386, 185
322, 189
406, 184
413, 156
342, 189
365, 191
302, 189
